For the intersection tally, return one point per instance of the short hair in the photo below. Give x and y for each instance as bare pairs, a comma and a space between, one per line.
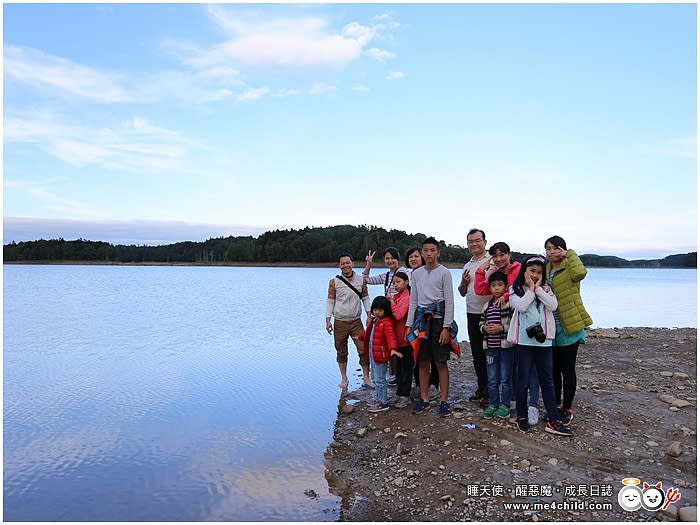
382, 303
477, 230
431, 240
344, 255
393, 251
499, 246
498, 276
557, 241
412, 250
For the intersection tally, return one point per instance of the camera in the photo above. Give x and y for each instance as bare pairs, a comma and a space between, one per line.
535, 331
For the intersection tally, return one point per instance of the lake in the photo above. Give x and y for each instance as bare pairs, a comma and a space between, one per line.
175, 393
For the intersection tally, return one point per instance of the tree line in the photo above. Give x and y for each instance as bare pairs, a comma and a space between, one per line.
307, 245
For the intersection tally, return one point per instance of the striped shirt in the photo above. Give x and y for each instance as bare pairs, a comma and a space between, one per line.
493, 316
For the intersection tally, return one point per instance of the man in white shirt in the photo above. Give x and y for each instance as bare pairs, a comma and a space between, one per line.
476, 242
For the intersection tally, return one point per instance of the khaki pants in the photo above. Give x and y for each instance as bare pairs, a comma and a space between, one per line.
341, 331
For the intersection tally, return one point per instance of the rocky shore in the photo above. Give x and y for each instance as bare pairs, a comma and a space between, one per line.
635, 417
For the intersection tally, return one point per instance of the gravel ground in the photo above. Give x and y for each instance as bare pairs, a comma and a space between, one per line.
397, 466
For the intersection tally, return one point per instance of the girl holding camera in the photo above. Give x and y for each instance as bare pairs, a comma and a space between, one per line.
532, 330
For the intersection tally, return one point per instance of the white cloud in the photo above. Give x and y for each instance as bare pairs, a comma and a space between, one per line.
54, 202
134, 144
286, 92
44, 71
287, 42
380, 55
321, 87
253, 94
684, 147
360, 87
394, 75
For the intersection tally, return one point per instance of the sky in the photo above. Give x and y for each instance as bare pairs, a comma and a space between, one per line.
150, 124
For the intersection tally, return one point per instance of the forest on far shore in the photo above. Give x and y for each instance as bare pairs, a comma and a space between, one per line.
307, 245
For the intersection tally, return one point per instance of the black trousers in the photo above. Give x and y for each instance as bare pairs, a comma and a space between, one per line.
404, 371
476, 342
564, 371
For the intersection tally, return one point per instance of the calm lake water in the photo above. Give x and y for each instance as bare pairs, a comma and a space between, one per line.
200, 393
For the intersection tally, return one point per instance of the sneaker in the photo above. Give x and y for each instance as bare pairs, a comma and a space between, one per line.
489, 412
533, 415
378, 407
484, 402
433, 393
444, 409
523, 425
477, 396
567, 415
420, 407
391, 380
402, 402
558, 428
503, 412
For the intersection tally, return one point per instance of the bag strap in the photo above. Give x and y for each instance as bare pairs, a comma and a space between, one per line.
359, 293
386, 282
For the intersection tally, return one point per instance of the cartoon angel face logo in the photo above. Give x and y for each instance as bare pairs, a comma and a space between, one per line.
630, 498
652, 497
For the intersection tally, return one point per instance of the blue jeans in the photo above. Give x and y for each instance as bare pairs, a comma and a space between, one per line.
379, 378
539, 357
499, 367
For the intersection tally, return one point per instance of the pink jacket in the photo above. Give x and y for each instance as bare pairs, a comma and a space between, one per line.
400, 311
481, 285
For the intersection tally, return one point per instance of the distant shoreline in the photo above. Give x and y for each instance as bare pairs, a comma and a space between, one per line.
358, 264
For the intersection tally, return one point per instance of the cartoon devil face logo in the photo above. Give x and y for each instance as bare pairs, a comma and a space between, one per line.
652, 497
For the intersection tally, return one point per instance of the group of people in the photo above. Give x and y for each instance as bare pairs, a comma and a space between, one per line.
525, 322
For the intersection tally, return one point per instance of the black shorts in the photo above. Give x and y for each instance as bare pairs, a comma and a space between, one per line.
431, 349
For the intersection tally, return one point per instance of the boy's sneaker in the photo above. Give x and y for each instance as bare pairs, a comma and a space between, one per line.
522, 424
420, 407
402, 402
444, 409
533, 415
489, 412
503, 412
558, 428
476, 397
566, 415
378, 407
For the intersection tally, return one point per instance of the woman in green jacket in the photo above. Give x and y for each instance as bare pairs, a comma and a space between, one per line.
564, 273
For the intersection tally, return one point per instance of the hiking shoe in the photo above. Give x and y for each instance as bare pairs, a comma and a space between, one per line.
489, 412
444, 409
533, 415
503, 412
378, 407
420, 407
558, 428
402, 402
522, 424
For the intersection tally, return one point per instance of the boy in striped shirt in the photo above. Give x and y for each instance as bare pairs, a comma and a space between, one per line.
494, 324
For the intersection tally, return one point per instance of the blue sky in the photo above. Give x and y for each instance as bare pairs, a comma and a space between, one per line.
167, 122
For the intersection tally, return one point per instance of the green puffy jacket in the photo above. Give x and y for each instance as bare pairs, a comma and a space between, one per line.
566, 286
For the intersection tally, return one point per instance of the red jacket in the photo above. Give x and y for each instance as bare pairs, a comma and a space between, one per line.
400, 311
383, 339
